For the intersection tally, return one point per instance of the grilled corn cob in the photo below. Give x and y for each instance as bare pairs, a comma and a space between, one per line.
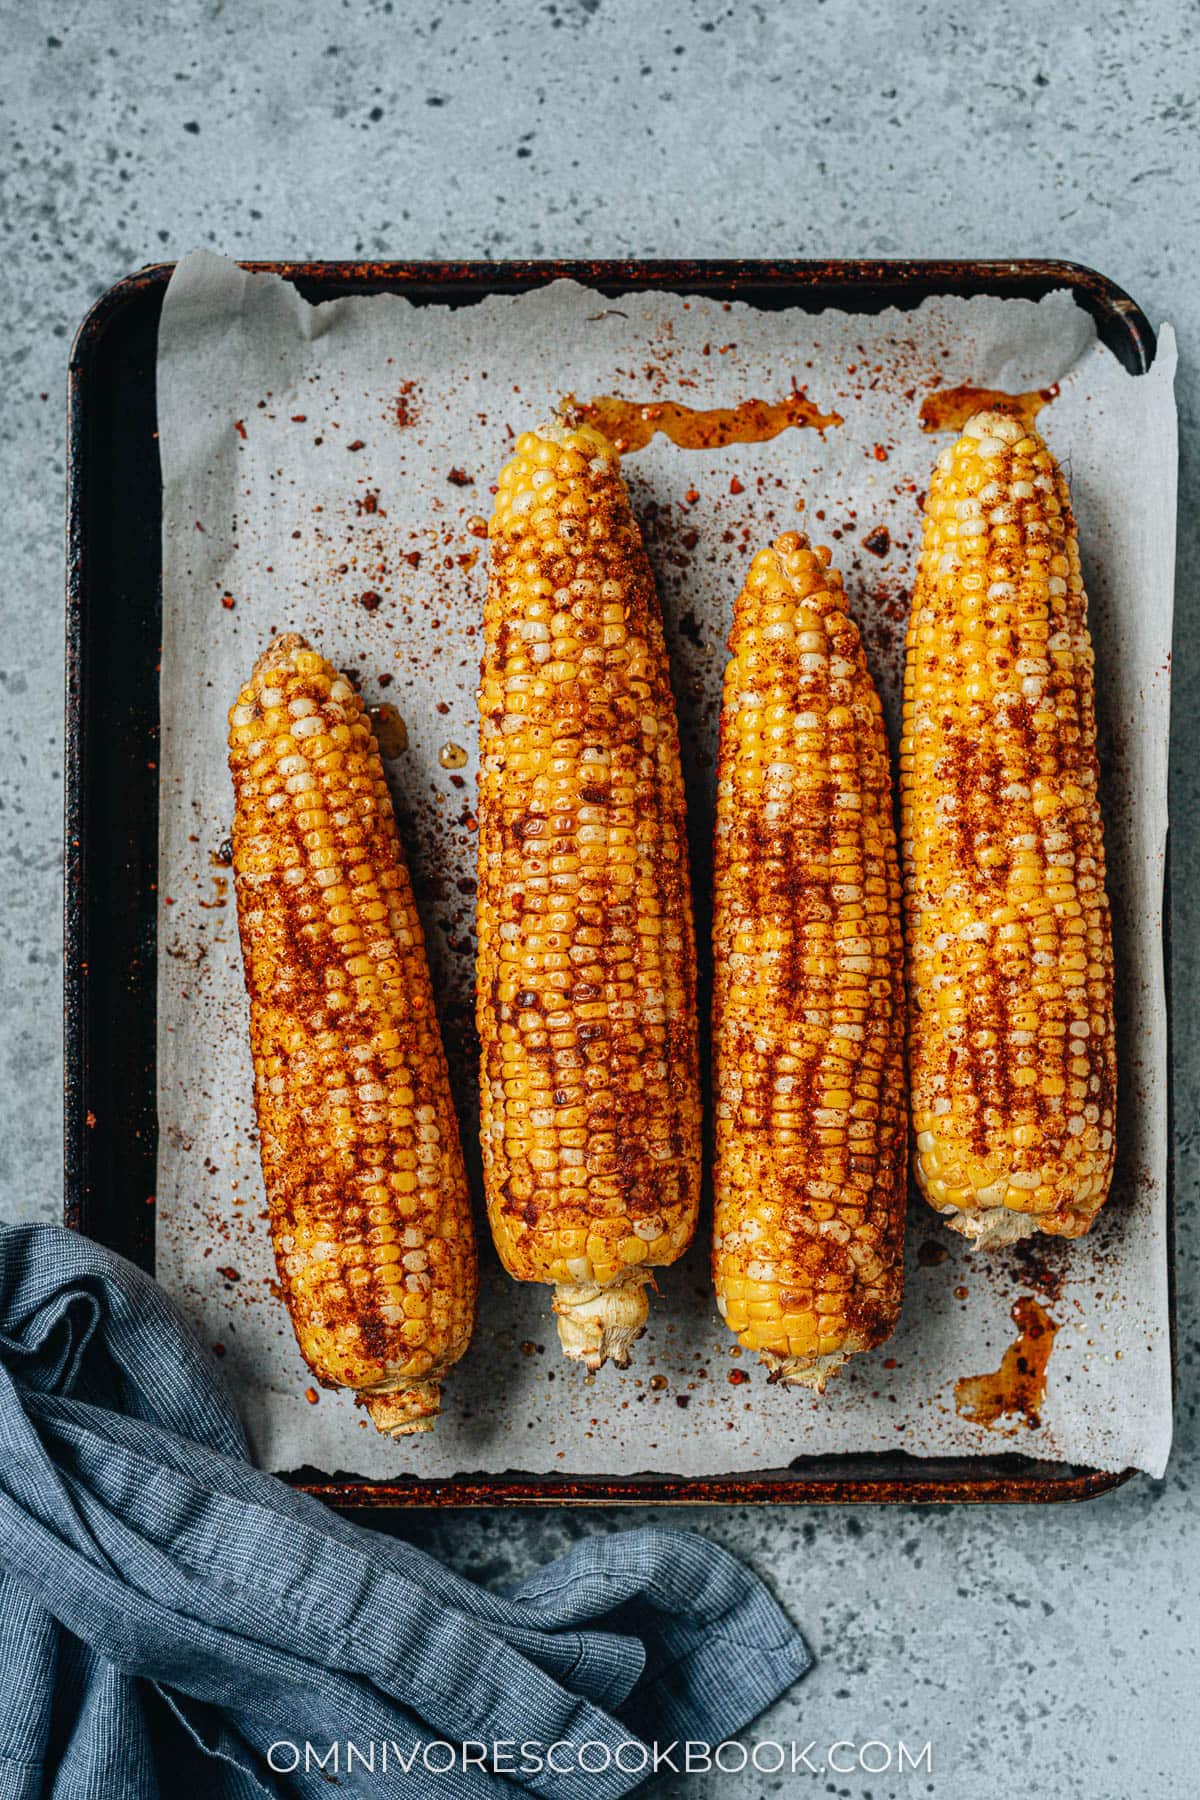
1012, 1046
808, 999
370, 1213
587, 962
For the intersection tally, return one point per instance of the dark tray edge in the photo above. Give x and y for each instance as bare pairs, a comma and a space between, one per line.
1122, 326
1120, 320
1027, 1487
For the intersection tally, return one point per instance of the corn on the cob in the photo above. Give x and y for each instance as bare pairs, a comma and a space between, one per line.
808, 998
1012, 1044
370, 1213
587, 963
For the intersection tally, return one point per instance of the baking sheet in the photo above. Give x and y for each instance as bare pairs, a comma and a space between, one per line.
327, 469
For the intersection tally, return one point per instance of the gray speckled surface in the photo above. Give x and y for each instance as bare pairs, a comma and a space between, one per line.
1049, 1651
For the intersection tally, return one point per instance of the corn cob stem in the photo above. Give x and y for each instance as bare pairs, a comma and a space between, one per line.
1012, 1046
370, 1213
808, 1010
403, 1411
806, 1371
586, 975
600, 1324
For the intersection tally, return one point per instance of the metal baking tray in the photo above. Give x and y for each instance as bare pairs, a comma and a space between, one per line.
113, 624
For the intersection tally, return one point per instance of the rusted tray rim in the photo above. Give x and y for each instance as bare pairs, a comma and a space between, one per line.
914, 280
1027, 1487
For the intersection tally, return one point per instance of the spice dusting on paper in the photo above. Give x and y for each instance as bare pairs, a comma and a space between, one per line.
949, 409
1017, 1389
630, 424
405, 407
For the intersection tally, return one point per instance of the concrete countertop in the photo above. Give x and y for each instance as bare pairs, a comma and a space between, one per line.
1040, 1650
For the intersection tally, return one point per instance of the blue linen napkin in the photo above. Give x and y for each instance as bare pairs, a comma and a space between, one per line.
172, 1620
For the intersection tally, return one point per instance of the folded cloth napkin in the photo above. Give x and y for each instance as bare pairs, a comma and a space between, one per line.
172, 1620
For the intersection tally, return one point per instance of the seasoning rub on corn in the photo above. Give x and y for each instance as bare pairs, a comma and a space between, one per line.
587, 970
1012, 1045
370, 1213
808, 1003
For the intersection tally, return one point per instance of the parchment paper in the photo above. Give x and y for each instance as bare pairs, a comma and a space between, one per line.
327, 469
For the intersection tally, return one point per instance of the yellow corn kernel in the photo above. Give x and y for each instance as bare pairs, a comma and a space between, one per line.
351, 1086
808, 1003
586, 1002
1009, 937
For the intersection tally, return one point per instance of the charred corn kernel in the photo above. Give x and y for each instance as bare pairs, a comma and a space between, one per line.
360, 1146
1012, 1043
808, 998
587, 965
